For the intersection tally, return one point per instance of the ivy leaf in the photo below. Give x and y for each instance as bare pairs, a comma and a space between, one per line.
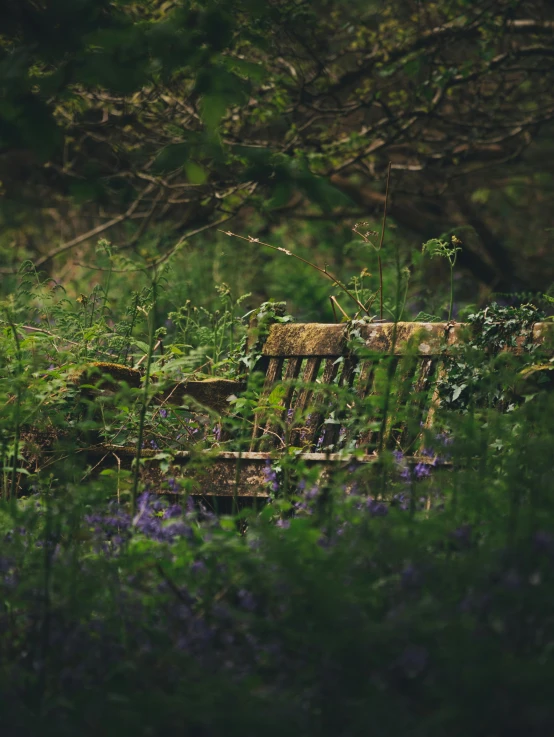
457, 391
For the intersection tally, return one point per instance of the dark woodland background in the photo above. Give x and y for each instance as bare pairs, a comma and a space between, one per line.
151, 124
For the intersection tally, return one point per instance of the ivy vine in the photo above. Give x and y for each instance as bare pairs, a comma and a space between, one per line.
470, 380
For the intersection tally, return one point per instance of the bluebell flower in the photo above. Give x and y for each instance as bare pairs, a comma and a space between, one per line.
418, 472
376, 509
401, 500
270, 476
174, 510
512, 579
544, 541
173, 484
247, 601
410, 576
462, 535
421, 471
413, 660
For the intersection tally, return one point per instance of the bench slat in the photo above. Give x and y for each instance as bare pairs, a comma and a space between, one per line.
309, 339
303, 397
273, 374
420, 404
332, 432
320, 401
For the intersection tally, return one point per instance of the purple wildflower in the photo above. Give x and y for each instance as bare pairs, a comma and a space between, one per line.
173, 484
174, 510
413, 660
270, 476
544, 541
418, 472
421, 471
401, 500
246, 600
377, 509
410, 576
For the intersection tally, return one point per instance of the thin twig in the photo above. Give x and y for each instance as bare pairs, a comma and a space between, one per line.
47, 332
91, 233
158, 344
335, 301
334, 309
326, 273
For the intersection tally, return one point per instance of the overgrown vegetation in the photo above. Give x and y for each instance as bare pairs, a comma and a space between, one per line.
421, 600
407, 588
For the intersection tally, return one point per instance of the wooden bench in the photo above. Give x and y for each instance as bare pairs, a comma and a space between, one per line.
310, 377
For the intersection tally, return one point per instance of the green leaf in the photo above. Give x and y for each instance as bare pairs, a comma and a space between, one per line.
172, 157
196, 174
213, 108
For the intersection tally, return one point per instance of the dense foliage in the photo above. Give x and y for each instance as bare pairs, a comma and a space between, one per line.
423, 606
155, 121
376, 158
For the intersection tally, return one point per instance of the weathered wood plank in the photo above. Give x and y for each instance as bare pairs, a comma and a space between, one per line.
213, 393
309, 339
332, 431
273, 374
320, 401
422, 338
543, 334
298, 436
227, 474
272, 430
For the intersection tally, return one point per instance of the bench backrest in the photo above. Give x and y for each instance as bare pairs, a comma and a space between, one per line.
314, 374
393, 368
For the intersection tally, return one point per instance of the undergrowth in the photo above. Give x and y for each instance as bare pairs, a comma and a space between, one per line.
395, 597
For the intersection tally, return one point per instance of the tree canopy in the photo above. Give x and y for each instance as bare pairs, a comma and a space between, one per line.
192, 113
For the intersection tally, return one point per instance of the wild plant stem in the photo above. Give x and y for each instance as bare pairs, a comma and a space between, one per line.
380, 285
451, 292
381, 243
17, 408
326, 273
144, 404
